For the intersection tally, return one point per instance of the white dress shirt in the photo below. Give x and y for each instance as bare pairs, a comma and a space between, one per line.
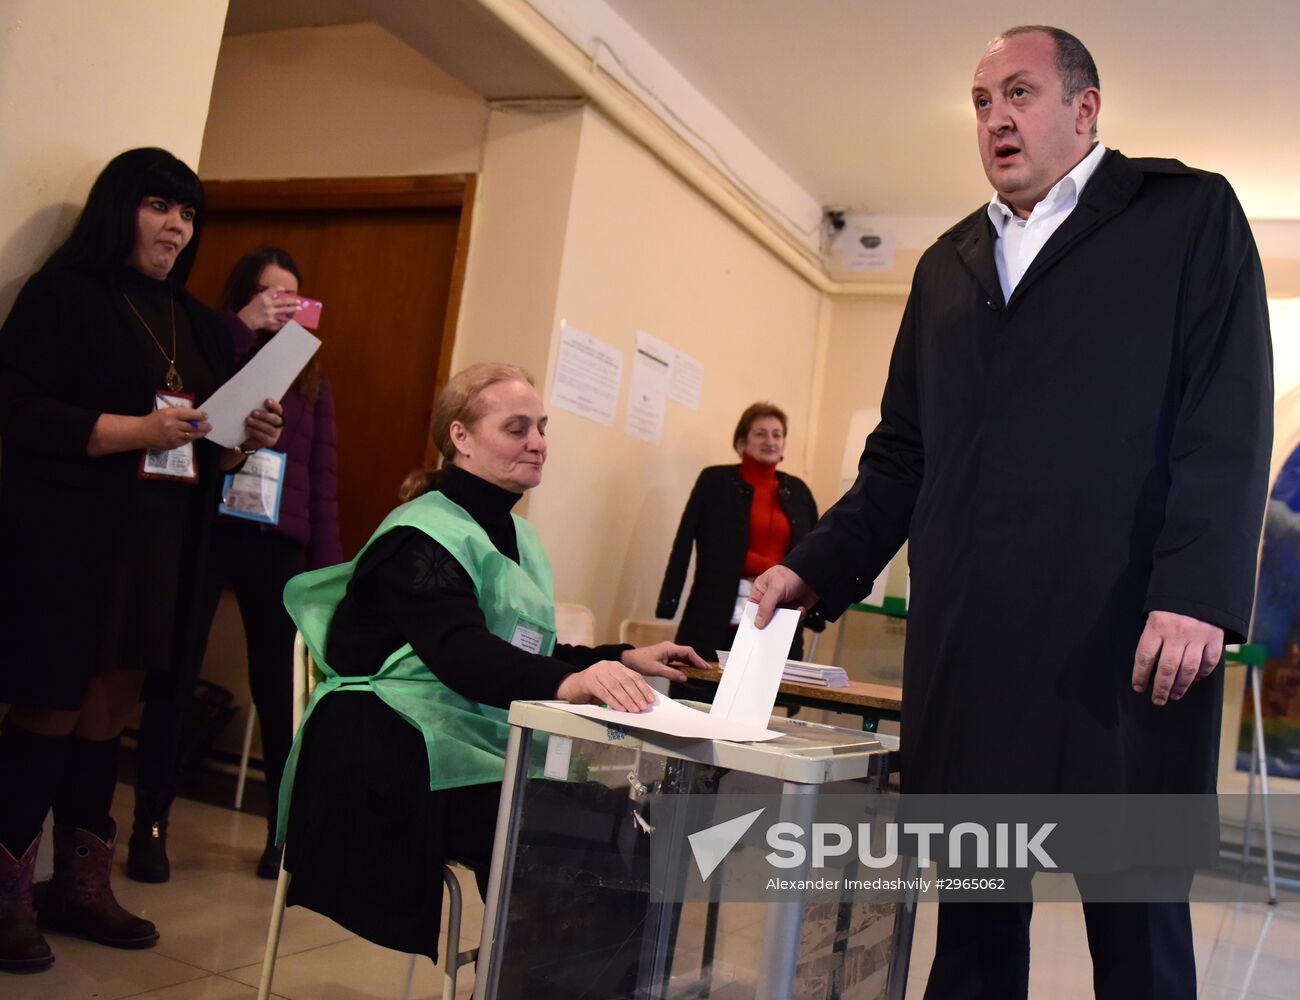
1019, 240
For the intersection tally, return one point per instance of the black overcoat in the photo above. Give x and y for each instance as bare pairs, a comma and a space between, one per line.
66, 356
715, 522
1064, 462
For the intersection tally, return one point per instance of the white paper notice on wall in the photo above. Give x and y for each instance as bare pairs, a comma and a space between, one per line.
651, 370
686, 382
588, 373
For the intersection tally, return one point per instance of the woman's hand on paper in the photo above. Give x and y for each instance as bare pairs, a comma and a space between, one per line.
607, 683
264, 426
657, 660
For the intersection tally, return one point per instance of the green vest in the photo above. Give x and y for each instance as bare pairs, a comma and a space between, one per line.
466, 741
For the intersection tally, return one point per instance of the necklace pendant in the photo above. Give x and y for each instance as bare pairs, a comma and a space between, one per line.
173, 379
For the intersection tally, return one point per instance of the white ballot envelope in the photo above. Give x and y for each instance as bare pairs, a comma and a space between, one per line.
268, 375
745, 695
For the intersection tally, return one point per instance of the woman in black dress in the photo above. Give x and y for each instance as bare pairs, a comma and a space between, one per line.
452, 585
104, 488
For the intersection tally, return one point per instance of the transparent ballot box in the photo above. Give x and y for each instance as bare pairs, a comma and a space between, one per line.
630, 865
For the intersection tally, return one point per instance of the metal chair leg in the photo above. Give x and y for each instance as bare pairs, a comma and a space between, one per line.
1263, 784
410, 978
451, 950
243, 759
273, 934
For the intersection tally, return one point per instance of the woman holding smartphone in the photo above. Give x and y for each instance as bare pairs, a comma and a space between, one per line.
255, 559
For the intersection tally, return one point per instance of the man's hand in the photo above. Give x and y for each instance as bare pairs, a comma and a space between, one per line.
1179, 649
656, 660
780, 587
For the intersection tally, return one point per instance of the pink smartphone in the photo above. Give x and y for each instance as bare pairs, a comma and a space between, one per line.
308, 313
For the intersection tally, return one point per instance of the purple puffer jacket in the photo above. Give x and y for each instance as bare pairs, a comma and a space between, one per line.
309, 507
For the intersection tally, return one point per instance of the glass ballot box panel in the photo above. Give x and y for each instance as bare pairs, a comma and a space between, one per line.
607, 882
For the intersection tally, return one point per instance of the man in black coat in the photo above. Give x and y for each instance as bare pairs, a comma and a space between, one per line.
1075, 437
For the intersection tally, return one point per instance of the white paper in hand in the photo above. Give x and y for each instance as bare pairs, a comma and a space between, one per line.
747, 691
268, 375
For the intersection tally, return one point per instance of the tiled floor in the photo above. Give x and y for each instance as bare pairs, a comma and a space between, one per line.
213, 917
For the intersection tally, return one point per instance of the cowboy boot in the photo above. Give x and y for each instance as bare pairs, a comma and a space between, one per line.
22, 947
79, 899
146, 851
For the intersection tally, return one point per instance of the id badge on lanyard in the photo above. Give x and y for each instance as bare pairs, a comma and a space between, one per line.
529, 634
254, 491
176, 464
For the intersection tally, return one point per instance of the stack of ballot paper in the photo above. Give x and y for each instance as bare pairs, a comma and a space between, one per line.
746, 693
802, 672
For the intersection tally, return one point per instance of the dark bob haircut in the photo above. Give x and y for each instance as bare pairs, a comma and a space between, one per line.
754, 412
241, 286
104, 233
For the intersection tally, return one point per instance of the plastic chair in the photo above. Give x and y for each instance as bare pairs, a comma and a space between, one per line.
305, 676
646, 631
575, 625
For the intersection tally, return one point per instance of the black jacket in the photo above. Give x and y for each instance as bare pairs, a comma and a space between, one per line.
1095, 448
68, 353
716, 522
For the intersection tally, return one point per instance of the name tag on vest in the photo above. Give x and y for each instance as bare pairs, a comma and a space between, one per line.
526, 638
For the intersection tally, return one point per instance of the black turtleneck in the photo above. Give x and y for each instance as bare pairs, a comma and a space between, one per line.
408, 588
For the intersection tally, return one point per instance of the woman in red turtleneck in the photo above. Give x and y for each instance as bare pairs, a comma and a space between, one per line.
741, 519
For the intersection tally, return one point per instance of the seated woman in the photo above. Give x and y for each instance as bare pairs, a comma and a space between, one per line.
444, 618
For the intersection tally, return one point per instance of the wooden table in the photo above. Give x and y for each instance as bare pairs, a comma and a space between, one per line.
870, 702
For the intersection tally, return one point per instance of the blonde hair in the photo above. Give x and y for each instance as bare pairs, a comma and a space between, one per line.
461, 400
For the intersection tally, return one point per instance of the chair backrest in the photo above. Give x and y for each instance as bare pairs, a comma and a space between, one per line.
575, 625
305, 676
646, 631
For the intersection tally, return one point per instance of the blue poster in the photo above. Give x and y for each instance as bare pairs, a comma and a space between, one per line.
1277, 628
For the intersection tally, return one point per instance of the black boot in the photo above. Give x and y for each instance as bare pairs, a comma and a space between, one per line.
146, 851
22, 947
268, 866
79, 899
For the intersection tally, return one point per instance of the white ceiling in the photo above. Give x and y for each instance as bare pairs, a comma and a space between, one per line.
865, 104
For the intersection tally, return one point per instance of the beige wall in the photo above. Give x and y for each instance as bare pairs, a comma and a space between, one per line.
79, 83
861, 337
350, 100
518, 239
644, 251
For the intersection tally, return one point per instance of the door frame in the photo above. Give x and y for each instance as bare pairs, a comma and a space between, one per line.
404, 191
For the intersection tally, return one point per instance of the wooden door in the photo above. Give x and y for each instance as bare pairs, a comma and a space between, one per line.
386, 257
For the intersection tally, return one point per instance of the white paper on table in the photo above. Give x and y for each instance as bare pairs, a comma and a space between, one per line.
267, 375
747, 691
674, 719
